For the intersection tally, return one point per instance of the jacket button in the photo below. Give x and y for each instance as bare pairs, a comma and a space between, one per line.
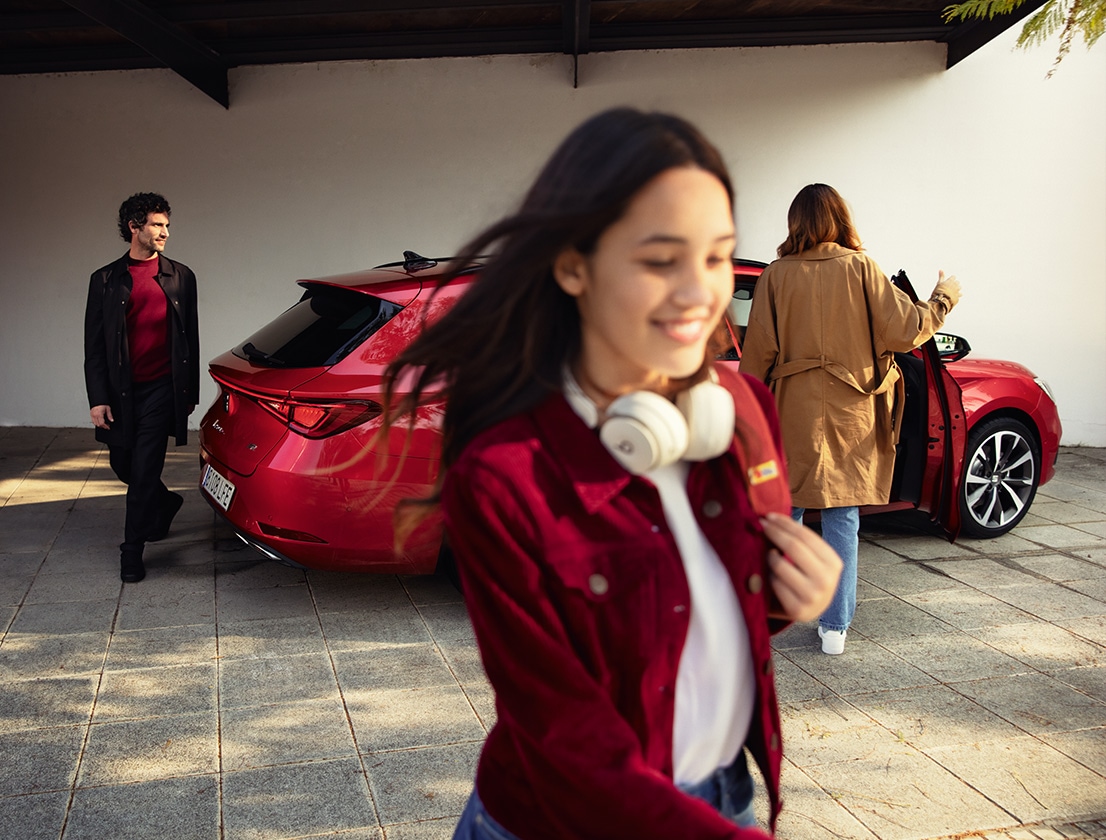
712, 509
754, 584
679, 608
598, 584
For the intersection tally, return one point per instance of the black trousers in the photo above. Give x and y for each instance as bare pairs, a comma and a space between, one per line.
139, 466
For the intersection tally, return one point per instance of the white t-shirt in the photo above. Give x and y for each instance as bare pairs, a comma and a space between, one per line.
715, 683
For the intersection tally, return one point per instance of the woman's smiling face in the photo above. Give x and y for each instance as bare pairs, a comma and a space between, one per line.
652, 291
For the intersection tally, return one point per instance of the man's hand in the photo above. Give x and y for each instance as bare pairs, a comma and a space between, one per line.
804, 568
101, 416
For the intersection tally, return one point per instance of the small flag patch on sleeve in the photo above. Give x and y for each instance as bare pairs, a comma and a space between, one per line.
764, 472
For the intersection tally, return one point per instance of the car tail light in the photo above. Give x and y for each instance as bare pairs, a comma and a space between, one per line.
321, 419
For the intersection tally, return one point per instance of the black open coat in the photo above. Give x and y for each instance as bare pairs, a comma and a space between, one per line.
107, 365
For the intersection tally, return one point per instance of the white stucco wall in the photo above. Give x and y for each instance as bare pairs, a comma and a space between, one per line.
987, 170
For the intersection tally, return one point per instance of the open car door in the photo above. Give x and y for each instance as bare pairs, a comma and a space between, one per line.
946, 433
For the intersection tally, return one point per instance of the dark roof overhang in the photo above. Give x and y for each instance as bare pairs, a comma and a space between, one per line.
202, 39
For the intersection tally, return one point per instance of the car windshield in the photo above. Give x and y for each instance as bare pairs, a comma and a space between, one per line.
327, 324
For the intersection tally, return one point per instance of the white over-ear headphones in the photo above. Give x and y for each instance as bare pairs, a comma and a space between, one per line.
644, 430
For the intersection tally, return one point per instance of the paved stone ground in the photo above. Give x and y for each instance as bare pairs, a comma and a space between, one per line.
230, 697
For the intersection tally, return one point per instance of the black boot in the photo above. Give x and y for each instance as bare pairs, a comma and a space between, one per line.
131, 568
169, 509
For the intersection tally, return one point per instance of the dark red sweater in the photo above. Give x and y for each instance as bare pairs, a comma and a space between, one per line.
147, 323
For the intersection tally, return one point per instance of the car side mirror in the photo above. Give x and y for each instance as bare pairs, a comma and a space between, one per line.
951, 348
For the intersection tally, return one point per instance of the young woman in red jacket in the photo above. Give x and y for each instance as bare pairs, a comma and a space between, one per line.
624, 553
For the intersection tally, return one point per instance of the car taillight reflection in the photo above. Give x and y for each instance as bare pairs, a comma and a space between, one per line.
321, 419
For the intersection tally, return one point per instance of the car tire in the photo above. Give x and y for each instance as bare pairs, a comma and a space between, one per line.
1002, 468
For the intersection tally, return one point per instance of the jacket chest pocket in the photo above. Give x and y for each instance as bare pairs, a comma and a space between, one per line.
611, 599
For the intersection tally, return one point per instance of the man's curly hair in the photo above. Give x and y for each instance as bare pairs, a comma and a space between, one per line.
137, 208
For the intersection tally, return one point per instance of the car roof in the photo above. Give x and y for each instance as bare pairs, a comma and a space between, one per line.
399, 279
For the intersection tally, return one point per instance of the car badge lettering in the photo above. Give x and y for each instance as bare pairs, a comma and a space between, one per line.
215, 425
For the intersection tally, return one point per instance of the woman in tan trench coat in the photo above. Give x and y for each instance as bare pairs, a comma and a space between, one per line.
824, 326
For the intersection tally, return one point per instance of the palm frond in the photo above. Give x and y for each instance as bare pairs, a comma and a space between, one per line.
979, 9
1067, 17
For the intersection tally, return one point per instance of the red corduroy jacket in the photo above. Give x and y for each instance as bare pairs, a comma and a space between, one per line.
580, 605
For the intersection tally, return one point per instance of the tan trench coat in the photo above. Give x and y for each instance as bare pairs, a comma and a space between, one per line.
822, 330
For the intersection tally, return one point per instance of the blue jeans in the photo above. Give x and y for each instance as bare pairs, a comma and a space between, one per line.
841, 529
476, 824
729, 790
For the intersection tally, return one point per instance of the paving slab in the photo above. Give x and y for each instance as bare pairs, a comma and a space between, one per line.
181, 807
39, 760
33, 655
409, 785
832, 730
954, 657
268, 638
138, 693
294, 800
47, 701
399, 667
934, 716
162, 647
279, 679
864, 667
1042, 645
393, 719
150, 748
1026, 777
285, 733
1037, 703
810, 812
25, 817
905, 795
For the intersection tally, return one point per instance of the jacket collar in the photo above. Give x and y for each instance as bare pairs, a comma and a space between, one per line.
822, 251
165, 266
595, 476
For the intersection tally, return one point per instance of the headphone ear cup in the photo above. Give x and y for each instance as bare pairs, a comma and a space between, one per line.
644, 431
709, 412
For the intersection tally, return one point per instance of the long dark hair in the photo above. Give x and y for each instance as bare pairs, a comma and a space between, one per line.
501, 348
818, 214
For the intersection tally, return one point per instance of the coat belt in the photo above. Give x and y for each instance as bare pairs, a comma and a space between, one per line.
893, 379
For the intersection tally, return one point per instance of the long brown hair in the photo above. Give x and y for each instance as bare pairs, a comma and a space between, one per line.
502, 347
818, 214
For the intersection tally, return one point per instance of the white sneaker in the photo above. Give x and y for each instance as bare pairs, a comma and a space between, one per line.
833, 641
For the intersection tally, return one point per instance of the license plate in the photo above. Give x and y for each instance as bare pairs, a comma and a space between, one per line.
221, 490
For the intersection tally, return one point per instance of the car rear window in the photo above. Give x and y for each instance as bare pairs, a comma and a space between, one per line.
327, 324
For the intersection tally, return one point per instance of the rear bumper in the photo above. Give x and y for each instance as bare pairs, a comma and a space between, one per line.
346, 524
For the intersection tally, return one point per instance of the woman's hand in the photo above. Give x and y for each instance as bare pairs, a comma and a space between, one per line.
804, 568
948, 288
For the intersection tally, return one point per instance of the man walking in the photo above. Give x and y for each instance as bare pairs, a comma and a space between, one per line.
141, 366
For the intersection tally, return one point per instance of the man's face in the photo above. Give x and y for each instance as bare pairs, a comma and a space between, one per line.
149, 239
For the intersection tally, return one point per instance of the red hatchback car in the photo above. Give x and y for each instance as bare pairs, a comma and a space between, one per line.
288, 454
